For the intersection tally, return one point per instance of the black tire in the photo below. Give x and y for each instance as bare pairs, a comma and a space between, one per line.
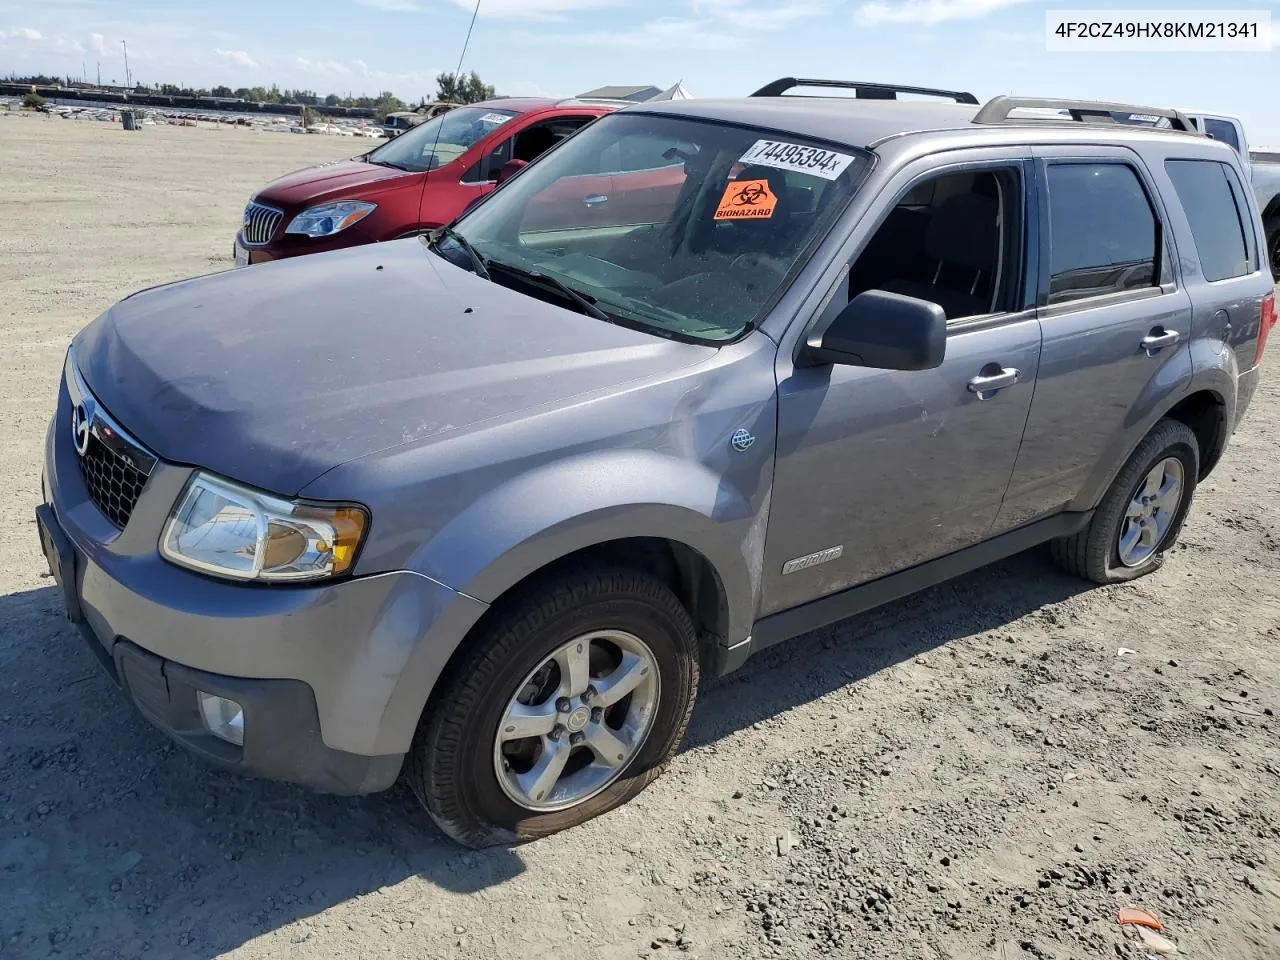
1273, 249
450, 766
1093, 552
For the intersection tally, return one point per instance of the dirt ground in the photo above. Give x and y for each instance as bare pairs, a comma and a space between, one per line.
974, 772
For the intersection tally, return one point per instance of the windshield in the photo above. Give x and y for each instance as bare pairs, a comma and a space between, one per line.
682, 227
441, 139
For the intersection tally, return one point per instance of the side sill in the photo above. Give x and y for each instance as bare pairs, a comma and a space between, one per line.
819, 613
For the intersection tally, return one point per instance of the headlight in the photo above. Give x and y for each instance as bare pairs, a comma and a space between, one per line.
330, 218
224, 529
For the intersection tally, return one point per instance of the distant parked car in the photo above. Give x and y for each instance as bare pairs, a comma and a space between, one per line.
404, 120
417, 182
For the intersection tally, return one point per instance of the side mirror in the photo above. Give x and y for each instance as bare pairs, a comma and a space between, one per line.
883, 330
509, 170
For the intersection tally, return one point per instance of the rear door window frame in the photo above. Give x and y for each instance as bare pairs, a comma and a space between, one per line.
1093, 154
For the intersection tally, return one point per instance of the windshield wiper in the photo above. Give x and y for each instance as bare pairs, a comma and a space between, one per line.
478, 265
585, 304
384, 163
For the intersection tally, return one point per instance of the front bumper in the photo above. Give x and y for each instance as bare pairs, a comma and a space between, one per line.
285, 245
332, 678
282, 734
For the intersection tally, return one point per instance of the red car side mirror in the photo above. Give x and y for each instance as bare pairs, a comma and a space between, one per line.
510, 169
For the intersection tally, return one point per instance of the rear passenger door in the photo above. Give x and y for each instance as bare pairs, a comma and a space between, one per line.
1115, 322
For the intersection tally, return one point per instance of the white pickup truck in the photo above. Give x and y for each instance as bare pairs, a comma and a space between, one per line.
1264, 164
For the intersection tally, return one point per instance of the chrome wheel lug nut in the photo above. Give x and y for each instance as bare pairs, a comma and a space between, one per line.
576, 738
588, 695
556, 733
597, 713
563, 704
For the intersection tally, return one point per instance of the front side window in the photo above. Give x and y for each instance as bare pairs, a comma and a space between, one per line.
952, 240
696, 248
1210, 203
526, 146
441, 139
1103, 234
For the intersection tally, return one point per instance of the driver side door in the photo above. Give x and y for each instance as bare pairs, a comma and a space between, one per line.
880, 470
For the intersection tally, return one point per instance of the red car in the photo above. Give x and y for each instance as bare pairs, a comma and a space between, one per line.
416, 182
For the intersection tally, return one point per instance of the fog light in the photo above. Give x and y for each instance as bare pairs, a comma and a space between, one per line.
222, 717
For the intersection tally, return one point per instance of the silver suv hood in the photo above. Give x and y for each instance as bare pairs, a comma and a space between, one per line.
273, 374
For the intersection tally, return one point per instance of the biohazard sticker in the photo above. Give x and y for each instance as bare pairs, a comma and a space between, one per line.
494, 118
747, 200
793, 156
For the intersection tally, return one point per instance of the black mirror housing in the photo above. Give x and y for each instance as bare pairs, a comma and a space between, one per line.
884, 330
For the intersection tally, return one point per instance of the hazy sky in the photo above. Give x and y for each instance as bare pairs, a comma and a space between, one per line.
563, 47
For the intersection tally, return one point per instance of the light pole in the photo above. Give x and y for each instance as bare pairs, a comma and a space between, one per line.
128, 80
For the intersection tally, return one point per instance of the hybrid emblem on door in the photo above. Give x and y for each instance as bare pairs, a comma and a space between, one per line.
741, 440
812, 560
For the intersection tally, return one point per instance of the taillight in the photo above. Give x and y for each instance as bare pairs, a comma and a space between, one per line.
1266, 322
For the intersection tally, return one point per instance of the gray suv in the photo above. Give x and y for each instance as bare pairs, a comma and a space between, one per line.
479, 509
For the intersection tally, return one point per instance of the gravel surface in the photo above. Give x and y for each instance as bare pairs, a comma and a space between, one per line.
977, 771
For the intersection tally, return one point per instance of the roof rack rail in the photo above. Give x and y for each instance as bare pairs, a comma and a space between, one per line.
863, 91
997, 110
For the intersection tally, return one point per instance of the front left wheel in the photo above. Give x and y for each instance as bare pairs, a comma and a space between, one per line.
570, 702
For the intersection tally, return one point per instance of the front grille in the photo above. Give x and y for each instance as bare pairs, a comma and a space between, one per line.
114, 484
260, 223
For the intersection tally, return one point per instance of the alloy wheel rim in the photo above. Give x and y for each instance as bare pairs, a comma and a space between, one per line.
1151, 512
576, 720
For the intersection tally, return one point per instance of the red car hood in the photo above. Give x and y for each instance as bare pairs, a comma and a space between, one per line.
314, 183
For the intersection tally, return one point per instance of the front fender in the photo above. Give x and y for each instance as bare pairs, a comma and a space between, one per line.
547, 513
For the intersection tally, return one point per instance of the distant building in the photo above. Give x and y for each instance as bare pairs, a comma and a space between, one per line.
634, 94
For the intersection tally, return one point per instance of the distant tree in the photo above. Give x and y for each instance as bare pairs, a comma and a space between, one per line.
221, 91
387, 102
331, 100
309, 117
460, 89
33, 101
244, 93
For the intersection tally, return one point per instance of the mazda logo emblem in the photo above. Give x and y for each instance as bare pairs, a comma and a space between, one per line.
80, 428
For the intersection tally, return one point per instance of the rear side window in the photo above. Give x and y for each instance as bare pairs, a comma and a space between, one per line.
1103, 234
1221, 130
1213, 210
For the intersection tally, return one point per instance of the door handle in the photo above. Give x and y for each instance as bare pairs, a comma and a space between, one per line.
985, 385
1160, 338
596, 200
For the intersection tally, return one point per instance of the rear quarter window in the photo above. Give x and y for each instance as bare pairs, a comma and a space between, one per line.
1213, 207
1222, 130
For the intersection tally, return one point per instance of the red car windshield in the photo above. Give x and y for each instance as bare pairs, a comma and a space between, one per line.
441, 139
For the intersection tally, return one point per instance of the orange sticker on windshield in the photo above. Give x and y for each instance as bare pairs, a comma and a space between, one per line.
746, 200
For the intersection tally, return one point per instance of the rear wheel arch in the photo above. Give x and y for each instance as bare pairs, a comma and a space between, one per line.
1205, 412
1206, 408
